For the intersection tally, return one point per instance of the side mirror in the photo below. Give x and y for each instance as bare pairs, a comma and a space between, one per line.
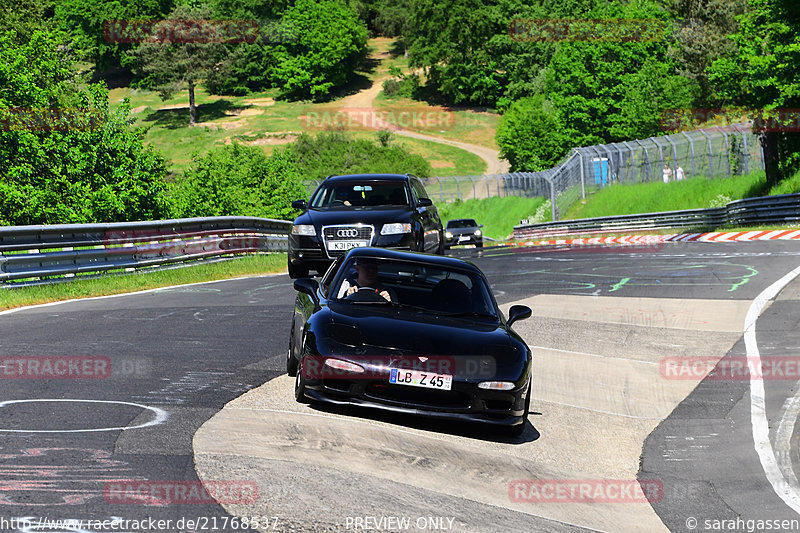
424, 202
308, 286
517, 312
300, 204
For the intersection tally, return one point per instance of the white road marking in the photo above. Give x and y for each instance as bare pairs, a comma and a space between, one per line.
783, 435
160, 416
758, 410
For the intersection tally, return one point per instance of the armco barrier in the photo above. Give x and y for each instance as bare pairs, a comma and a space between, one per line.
53, 252
763, 210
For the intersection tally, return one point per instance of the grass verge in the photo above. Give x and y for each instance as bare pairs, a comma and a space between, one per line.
658, 196
498, 215
123, 283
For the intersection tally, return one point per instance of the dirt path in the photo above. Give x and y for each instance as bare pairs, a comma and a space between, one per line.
365, 101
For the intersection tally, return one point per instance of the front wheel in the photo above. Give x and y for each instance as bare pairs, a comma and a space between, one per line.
300, 386
441, 248
519, 429
291, 362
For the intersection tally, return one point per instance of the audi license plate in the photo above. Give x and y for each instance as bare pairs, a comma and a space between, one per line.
343, 246
415, 378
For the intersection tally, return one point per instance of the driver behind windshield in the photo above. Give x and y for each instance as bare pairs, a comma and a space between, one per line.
367, 279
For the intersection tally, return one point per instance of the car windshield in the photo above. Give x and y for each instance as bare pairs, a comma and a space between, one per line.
360, 194
415, 286
466, 223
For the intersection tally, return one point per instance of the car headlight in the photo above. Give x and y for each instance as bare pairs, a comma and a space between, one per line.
304, 229
496, 385
477, 233
448, 235
395, 228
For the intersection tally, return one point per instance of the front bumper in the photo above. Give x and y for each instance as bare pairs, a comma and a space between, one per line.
307, 249
465, 401
458, 241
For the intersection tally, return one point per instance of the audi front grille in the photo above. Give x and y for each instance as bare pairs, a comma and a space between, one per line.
346, 232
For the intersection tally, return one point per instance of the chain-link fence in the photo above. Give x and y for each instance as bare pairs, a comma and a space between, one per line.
709, 153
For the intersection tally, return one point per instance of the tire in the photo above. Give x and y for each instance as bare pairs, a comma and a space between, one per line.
291, 362
519, 429
300, 387
440, 250
297, 272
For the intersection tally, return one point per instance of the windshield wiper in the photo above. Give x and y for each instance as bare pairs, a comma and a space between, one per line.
410, 306
475, 314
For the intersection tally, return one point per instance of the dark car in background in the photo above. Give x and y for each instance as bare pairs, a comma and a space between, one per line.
360, 210
439, 346
463, 231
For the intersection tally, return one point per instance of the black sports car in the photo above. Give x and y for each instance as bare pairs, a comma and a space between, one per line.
418, 334
386, 210
463, 231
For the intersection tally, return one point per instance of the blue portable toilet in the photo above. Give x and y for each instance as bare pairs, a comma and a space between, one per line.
600, 170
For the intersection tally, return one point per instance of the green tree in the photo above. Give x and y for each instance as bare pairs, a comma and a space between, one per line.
26, 16
86, 166
172, 60
531, 135
338, 153
700, 36
239, 180
87, 23
330, 45
471, 52
762, 74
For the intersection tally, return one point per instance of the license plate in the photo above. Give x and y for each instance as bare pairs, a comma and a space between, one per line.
343, 246
426, 380
463, 238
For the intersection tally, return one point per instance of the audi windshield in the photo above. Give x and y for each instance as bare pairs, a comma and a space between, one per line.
360, 194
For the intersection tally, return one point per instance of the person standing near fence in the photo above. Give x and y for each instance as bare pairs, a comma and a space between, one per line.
679, 175
666, 174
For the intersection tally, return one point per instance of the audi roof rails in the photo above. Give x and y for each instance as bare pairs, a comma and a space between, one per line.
329, 176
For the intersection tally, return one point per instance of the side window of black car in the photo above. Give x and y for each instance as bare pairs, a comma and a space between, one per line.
414, 194
419, 189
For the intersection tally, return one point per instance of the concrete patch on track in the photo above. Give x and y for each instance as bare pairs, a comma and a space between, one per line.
593, 405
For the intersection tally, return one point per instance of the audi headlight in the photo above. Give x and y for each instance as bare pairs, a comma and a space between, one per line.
395, 228
448, 235
304, 229
477, 233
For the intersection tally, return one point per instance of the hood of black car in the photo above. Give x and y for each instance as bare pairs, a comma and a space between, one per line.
386, 329
366, 215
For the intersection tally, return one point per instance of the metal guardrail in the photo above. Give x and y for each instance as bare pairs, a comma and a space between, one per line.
59, 251
750, 211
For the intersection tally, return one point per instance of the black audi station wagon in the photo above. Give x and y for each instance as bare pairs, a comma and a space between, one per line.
360, 210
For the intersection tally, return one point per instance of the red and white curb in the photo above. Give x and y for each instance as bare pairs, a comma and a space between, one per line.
730, 236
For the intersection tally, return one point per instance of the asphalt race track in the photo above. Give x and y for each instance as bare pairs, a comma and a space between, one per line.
175, 385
